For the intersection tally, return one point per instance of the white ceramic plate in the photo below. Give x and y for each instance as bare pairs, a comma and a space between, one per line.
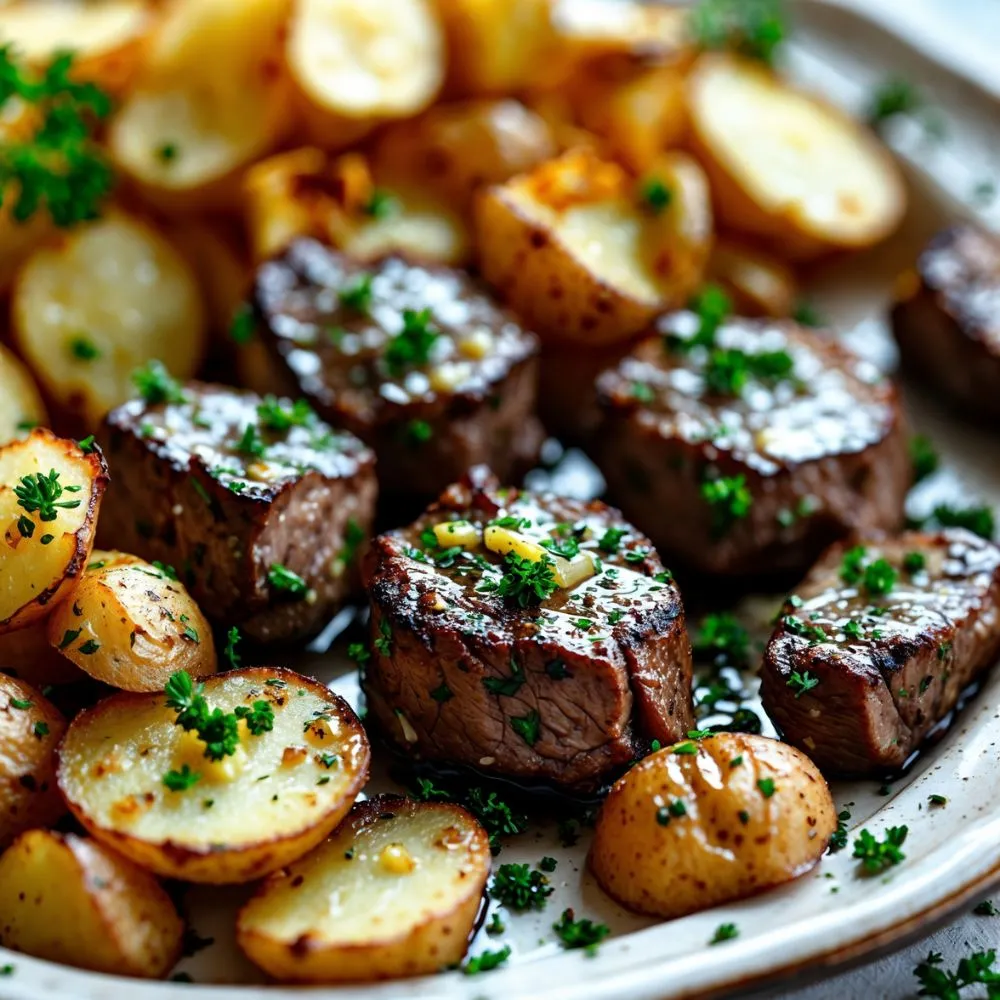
831, 915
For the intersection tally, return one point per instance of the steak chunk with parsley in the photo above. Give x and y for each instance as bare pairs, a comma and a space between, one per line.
947, 321
745, 447
525, 635
258, 505
419, 362
878, 643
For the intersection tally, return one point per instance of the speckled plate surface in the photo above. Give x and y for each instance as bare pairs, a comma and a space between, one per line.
831, 916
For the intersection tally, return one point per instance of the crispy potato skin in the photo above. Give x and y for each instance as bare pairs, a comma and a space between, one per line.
68, 899
59, 454
175, 855
146, 626
666, 865
28, 737
435, 938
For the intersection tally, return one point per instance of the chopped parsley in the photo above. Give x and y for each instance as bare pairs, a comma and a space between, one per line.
766, 787
894, 96
218, 730
527, 726
358, 295
838, 839
156, 384
611, 539
182, 780
977, 968
525, 582
728, 369
582, 933
806, 314
282, 579
878, 855
986, 909
507, 686
83, 348
520, 888
381, 205
729, 499
654, 196
801, 682
40, 730
275, 416
979, 520
487, 960
259, 717
40, 493
923, 456
880, 577
914, 562
797, 626
724, 932
753, 28
712, 306
22, 704
233, 637
411, 347
722, 635
242, 326
418, 432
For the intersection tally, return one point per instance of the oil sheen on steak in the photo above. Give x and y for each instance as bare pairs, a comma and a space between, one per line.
856, 678
761, 479
209, 486
948, 326
471, 400
565, 690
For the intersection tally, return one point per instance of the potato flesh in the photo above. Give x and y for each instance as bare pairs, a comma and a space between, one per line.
40, 28
113, 760
68, 900
376, 58
29, 568
343, 901
119, 286
21, 406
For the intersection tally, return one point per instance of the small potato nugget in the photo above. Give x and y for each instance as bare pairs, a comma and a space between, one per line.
21, 406
393, 893
50, 493
583, 253
708, 822
786, 166
110, 296
68, 899
131, 625
291, 758
30, 728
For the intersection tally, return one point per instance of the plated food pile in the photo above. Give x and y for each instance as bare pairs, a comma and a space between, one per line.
284, 275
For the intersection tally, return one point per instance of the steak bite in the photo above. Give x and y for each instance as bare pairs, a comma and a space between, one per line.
878, 643
947, 323
525, 635
746, 447
417, 361
259, 505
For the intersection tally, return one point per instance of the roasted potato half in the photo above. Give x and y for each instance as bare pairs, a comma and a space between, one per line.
21, 406
584, 253
89, 310
394, 892
142, 784
30, 728
357, 62
699, 824
105, 38
131, 625
758, 283
211, 97
787, 167
50, 493
68, 899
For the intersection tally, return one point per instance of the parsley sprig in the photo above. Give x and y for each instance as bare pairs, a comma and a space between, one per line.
524, 582
754, 28
157, 385
520, 888
411, 347
582, 933
40, 493
878, 855
977, 968
730, 501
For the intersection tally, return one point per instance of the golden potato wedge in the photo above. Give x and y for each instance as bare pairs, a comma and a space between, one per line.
757, 283
159, 800
69, 900
357, 62
393, 892
212, 96
585, 254
50, 493
339, 200
110, 296
30, 728
457, 148
785, 166
131, 625
105, 38
21, 406
699, 824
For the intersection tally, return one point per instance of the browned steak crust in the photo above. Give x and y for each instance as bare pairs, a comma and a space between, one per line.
948, 326
208, 486
560, 690
797, 460
857, 678
468, 398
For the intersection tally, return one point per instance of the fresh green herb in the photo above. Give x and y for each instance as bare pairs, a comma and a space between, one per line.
724, 932
381, 205
766, 786
976, 969
937, 800
712, 306
611, 539
156, 384
806, 314
241, 329
923, 456
582, 933
986, 909
250, 443
893, 96
277, 417
358, 652
878, 855
233, 637
442, 693
411, 347
41, 730
495, 925
485, 961
83, 348
525, 582
520, 888
69, 636
728, 369
527, 726
282, 579
497, 817
686, 749
722, 635
21, 704
852, 629
838, 839
40, 493
418, 432
655, 196
548, 864
801, 682
507, 686
358, 295
218, 730
795, 625
259, 717
729, 499
383, 641
89, 647
182, 780
852, 565
979, 520
880, 577
754, 28
914, 562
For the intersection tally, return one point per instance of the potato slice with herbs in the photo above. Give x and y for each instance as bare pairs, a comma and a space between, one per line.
786, 166
132, 624
68, 899
706, 822
30, 728
50, 493
21, 406
219, 782
394, 892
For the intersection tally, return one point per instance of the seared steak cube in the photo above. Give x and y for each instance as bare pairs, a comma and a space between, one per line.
525, 635
417, 361
877, 644
947, 323
748, 448
258, 504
